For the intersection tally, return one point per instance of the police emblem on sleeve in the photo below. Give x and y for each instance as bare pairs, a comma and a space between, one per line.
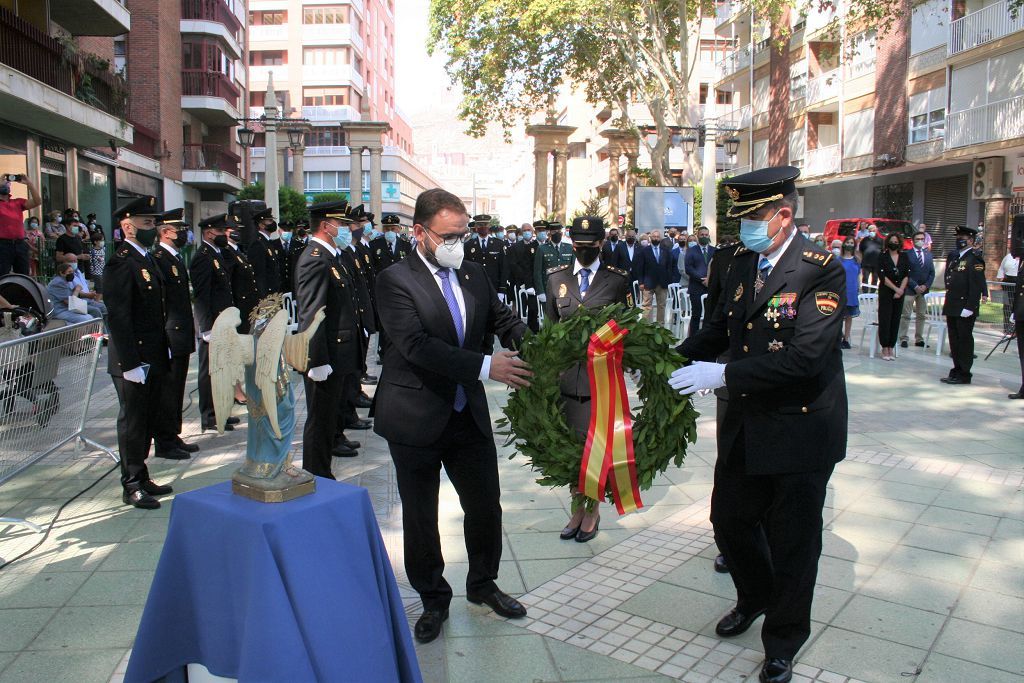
563, 290
827, 302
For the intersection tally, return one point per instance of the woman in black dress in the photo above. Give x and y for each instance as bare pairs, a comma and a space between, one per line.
894, 271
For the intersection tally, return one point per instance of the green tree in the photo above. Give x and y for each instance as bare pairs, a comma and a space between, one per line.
292, 203
726, 225
698, 205
592, 206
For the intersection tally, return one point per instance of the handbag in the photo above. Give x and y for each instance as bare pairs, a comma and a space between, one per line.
77, 305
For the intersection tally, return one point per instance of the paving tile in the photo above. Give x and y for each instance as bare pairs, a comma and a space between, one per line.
1006, 550
114, 588
946, 541
19, 626
1003, 611
855, 548
958, 520
861, 656
39, 590
842, 574
698, 574
479, 659
939, 667
545, 547
998, 578
677, 606
911, 590
930, 564
133, 556
576, 664
63, 667
895, 490
78, 628
827, 602
889, 621
982, 644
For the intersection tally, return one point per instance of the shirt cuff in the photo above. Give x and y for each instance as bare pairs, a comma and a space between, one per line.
485, 369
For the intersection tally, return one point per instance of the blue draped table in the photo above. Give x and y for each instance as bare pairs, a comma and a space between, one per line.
296, 591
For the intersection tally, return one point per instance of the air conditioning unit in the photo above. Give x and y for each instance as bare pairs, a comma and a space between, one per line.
986, 176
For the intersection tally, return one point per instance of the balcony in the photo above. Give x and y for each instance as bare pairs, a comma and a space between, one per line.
983, 27
268, 33
994, 122
825, 87
737, 118
43, 89
331, 74
214, 18
210, 96
259, 75
725, 11
327, 151
735, 61
823, 161
91, 17
332, 34
338, 112
211, 167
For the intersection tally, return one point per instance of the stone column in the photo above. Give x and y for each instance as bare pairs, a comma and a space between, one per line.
559, 201
613, 185
271, 180
630, 188
298, 170
376, 185
355, 176
540, 184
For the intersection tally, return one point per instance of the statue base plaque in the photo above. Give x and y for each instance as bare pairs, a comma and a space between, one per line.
289, 484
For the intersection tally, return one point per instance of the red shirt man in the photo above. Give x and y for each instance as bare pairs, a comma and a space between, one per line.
13, 248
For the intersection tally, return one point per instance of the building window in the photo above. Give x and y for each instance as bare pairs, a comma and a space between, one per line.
797, 146
928, 115
325, 56
798, 80
894, 201
863, 55
256, 176
859, 133
325, 137
121, 54
273, 18
268, 58
328, 14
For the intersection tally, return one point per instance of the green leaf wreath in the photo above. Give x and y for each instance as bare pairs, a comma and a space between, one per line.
535, 422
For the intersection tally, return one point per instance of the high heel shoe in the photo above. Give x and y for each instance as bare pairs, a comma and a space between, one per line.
570, 531
584, 536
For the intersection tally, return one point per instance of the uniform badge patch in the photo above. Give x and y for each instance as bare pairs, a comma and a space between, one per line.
775, 345
979, 266
563, 290
733, 193
216, 264
739, 293
174, 270
145, 275
827, 302
337, 275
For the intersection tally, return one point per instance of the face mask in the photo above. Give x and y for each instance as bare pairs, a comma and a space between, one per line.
369, 234
835, 250
483, 232
500, 234
60, 219
357, 234
754, 234
919, 244
180, 238
691, 245
512, 238
98, 246
220, 241
705, 241
961, 243
556, 237
848, 248
644, 243
527, 236
390, 237
74, 230
893, 246
69, 277
146, 236
542, 237
586, 255
873, 233
34, 226
614, 238
630, 241
276, 235
447, 257
300, 233
343, 240
235, 236
74, 267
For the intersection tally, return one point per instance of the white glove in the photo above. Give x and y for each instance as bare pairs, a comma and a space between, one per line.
531, 291
542, 298
698, 376
205, 336
136, 375
320, 373
966, 313
1012, 318
501, 298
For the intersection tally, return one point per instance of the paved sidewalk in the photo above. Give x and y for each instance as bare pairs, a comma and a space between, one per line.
922, 576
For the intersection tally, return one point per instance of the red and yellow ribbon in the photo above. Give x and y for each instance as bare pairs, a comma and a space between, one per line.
609, 448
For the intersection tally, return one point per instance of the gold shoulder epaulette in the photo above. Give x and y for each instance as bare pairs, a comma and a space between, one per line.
816, 258
617, 271
123, 251
742, 250
557, 268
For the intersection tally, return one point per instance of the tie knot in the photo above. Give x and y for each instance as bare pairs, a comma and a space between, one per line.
443, 273
764, 263
586, 270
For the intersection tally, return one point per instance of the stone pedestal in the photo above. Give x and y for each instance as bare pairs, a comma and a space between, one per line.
550, 139
366, 135
298, 170
376, 188
621, 143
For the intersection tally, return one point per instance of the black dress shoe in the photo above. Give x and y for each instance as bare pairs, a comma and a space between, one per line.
904, 344
584, 536
155, 489
140, 499
736, 622
212, 427
233, 420
362, 402
348, 442
367, 379
187, 447
569, 531
955, 380
172, 454
343, 451
503, 604
1019, 394
776, 670
428, 626
360, 424
720, 566
919, 344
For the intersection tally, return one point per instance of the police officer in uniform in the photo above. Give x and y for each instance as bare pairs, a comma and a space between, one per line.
389, 248
785, 421
266, 255
552, 252
520, 268
211, 286
181, 333
1018, 322
300, 237
489, 251
587, 283
137, 355
322, 281
243, 278
965, 283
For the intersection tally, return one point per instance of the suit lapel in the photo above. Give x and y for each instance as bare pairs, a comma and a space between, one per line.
598, 281
469, 298
777, 278
428, 284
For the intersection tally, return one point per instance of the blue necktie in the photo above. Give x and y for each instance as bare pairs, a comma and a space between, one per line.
764, 267
460, 332
584, 281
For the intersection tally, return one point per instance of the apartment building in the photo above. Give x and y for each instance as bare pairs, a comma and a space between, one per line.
333, 64
924, 123
62, 108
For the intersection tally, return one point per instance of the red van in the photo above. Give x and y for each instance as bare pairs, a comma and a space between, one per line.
841, 228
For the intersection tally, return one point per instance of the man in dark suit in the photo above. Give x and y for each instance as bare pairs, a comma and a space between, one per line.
431, 406
137, 355
521, 256
656, 272
785, 423
631, 252
965, 283
389, 248
696, 262
489, 251
181, 334
211, 285
265, 254
613, 251
922, 275
322, 280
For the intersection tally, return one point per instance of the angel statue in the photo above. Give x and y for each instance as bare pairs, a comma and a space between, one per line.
255, 361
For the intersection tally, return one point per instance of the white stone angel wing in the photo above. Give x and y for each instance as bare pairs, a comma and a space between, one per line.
230, 352
268, 365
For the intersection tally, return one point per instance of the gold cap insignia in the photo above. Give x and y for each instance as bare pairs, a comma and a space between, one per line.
733, 193
585, 224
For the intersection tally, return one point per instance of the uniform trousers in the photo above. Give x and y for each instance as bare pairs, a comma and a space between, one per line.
168, 431
961, 344
768, 527
889, 311
321, 419
347, 416
471, 462
137, 421
532, 320
206, 410
1019, 326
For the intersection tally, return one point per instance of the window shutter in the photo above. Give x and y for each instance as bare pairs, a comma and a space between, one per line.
945, 207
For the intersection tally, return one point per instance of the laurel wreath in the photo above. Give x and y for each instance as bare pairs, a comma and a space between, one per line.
535, 422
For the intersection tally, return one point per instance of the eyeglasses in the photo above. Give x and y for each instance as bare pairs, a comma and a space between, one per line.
449, 242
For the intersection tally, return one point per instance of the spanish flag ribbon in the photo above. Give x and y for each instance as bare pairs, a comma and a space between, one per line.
609, 447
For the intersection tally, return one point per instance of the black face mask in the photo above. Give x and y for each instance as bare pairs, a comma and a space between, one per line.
69, 277
235, 237
630, 241
555, 237
146, 237
357, 234
586, 255
180, 238
961, 243
614, 238
220, 241
893, 246
300, 233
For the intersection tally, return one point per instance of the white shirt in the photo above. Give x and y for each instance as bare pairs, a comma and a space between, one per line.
1008, 267
330, 248
80, 281
577, 267
453, 280
172, 250
777, 254
212, 246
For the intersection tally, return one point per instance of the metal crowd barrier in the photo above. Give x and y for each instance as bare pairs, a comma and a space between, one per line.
46, 381
1002, 293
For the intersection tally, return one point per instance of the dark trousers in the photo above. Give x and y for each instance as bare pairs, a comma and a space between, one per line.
14, 256
321, 420
136, 423
768, 527
172, 395
961, 344
1019, 326
347, 415
532, 321
695, 309
890, 309
471, 461
206, 411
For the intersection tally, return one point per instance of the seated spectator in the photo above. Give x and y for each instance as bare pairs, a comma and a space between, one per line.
98, 261
61, 288
72, 243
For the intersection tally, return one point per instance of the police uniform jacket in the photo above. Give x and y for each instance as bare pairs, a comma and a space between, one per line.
1018, 298
323, 281
492, 258
787, 406
609, 285
965, 283
265, 256
295, 249
382, 255
243, 284
135, 315
548, 256
361, 282
181, 329
520, 263
211, 285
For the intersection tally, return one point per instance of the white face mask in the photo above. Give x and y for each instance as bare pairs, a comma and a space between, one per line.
644, 243
276, 235
448, 257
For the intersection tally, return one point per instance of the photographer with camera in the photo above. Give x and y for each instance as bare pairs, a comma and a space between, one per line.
13, 247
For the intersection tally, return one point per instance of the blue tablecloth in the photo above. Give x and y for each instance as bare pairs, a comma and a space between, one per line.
281, 592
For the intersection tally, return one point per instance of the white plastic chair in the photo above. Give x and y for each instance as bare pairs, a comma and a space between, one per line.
934, 301
869, 315
637, 300
675, 308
